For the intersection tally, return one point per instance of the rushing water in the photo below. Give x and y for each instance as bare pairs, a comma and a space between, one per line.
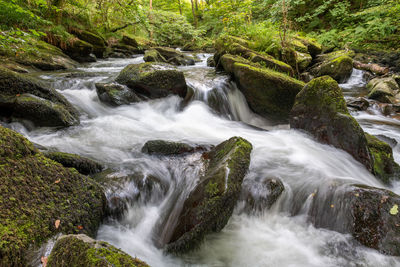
280, 236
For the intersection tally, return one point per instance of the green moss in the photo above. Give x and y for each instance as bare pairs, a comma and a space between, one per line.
81, 164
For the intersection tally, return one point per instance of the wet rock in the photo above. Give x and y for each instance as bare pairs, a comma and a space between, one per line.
152, 55
115, 94
98, 42
25, 97
81, 164
126, 50
153, 80
35, 192
127, 40
358, 104
79, 50
385, 168
313, 47
383, 89
210, 204
320, 109
175, 57
210, 62
81, 250
261, 195
227, 62
269, 93
390, 141
338, 65
162, 147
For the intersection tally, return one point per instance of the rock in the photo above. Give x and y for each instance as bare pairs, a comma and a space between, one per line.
390, 141
129, 41
152, 55
261, 195
369, 214
175, 57
20, 93
81, 250
269, 93
210, 62
98, 42
383, 89
79, 50
227, 61
35, 192
153, 80
271, 63
83, 165
303, 60
360, 103
126, 50
320, 109
209, 206
162, 147
338, 65
116, 94
384, 168
313, 47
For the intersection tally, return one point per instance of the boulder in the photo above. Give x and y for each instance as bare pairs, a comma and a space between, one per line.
81, 250
383, 89
313, 47
210, 204
269, 93
227, 61
153, 55
153, 80
162, 147
126, 50
211, 62
303, 60
320, 109
115, 94
40, 198
175, 57
79, 50
127, 40
20, 93
98, 42
338, 65
83, 165
358, 103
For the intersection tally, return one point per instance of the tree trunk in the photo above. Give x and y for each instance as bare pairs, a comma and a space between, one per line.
180, 7
194, 14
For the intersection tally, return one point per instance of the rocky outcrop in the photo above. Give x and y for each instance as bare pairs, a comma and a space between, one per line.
98, 42
25, 97
161, 147
83, 165
116, 94
338, 65
79, 50
320, 109
383, 90
81, 250
210, 204
40, 198
153, 80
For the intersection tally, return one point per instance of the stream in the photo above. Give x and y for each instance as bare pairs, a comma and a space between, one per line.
280, 236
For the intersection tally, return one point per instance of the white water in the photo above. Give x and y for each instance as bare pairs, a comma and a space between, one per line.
281, 236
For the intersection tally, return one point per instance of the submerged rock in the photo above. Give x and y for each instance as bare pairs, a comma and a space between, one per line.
209, 206
81, 164
40, 198
153, 80
25, 97
338, 65
162, 147
81, 250
383, 89
116, 94
320, 109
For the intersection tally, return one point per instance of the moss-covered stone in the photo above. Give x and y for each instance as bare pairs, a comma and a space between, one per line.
303, 60
35, 192
313, 47
268, 93
98, 42
153, 55
320, 109
384, 166
153, 80
227, 61
81, 164
81, 250
79, 50
383, 89
210, 62
129, 41
210, 205
115, 94
175, 57
162, 147
338, 67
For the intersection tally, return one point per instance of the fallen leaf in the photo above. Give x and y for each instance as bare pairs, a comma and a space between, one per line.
332, 206
394, 210
80, 227
44, 261
57, 223
57, 181
357, 194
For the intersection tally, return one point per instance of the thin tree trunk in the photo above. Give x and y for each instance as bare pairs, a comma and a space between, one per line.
194, 14
180, 7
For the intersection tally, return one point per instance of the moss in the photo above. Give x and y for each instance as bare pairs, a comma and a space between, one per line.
153, 55
81, 164
339, 68
80, 250
40, 191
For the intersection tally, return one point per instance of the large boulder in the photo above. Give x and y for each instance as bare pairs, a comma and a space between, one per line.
320, 109
127, 40
161, 147
116, 94
209, 206
81, 164
383, 89
153, 55
338, 65
98, 42
25, 97
81, 250
173, 56
369, 214
313, 47
40, 198
79, 50
268, 93
153, 80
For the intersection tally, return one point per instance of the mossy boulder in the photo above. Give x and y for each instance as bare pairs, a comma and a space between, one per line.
79, 50
126, 50
162, 147
40, 198
175, 57
209, 206
269, 93
211, 62
153, 80
81, 250
338, 65
129, 41
384, 168
383, 89
313, 47
153, 55
227, 62
98, 42
81, 164
25, 97
116, 94
320, 109
303, 60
